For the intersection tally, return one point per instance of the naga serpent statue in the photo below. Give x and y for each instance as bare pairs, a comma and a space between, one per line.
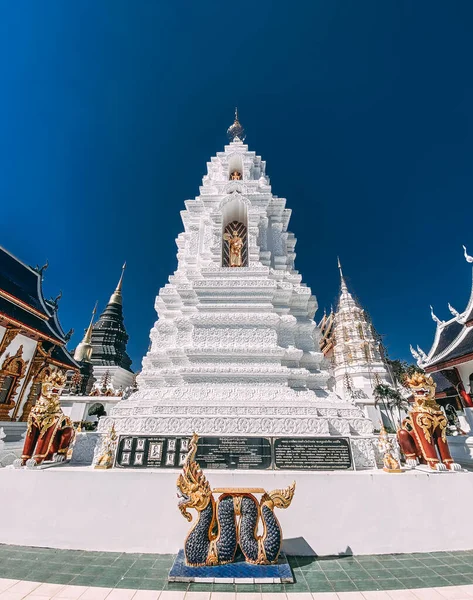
229, 522
50, 432
423, 433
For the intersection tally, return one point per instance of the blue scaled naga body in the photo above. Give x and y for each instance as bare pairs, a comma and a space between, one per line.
231, 521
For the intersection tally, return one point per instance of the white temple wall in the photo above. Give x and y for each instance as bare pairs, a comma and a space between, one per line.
28, 344
119, 377
465, 370
142, 516
77, 407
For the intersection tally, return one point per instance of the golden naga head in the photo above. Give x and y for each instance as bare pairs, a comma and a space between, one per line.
422, 386
193, 489
279, 498
53, 384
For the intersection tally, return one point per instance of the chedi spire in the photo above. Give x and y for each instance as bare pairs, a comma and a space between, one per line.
109, 336
83, 352
116, 297
236, 132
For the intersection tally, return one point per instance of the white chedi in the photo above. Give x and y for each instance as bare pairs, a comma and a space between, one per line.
358, 363
235, 350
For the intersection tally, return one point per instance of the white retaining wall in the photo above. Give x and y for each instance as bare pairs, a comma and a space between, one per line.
136, 511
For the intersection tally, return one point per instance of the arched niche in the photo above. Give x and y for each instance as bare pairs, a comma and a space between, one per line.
235, 167
234, 218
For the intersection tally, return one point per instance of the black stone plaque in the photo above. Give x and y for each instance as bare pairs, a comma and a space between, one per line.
138, 452
234, 453
169, 452
313, 454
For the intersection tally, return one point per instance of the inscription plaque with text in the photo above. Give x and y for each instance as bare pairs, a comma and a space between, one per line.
313, 454
234, 453
303, 454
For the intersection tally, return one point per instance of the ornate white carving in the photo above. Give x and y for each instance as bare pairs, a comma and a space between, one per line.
235, 350
364, 455
84, 447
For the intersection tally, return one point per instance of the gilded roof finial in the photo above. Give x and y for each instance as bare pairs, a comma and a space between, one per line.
83, 351
116, 297
88, 333
119, 286
235, 132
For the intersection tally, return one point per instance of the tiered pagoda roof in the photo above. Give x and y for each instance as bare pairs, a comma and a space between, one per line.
23, 305
453, 342
109, 337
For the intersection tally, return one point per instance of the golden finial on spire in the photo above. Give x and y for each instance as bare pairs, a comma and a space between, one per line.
236, 132
88, 333
116, 297
83, 351
119, 286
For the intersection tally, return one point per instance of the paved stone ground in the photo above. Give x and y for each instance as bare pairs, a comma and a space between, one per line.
440, 574
11, 589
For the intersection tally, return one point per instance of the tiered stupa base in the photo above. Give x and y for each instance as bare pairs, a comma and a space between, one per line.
244, 411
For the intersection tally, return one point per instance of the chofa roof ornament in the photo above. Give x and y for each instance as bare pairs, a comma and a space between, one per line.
434, 316
468, 258
454, 312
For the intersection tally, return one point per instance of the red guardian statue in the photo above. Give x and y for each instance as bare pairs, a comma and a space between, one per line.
423, 433
50, 432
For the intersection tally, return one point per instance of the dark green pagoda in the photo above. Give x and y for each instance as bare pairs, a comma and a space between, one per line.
109, 337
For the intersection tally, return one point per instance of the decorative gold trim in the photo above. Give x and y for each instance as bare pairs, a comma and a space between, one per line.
24, 305
9, 319
33, 370
15, 367
8, 337
236, 490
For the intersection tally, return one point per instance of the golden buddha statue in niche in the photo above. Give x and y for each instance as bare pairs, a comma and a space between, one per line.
235, 176
236, 246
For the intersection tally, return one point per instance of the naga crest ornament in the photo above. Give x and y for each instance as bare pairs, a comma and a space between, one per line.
231, 521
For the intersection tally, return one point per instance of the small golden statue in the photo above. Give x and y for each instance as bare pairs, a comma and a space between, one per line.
232, 521
235, 176
107, 451
391, 464
236, 246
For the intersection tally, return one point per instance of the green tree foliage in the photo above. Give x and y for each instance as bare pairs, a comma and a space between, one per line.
401, 369
97, 409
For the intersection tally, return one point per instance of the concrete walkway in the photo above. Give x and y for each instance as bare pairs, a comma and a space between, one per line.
12, 589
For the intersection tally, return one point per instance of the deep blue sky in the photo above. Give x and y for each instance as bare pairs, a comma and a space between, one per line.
362, 109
